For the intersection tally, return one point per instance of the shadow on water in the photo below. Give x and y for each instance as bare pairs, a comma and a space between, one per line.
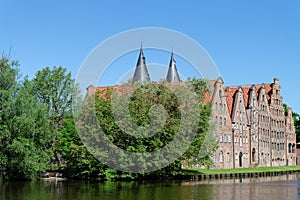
279, 187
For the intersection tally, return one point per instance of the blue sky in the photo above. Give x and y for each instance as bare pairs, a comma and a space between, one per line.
250, 42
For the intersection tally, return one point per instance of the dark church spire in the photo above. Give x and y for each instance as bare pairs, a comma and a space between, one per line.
173, 75
141, 72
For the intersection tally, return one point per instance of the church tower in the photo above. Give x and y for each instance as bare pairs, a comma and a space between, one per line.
173, 75
141, 72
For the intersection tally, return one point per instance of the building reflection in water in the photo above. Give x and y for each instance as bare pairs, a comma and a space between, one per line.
274, 188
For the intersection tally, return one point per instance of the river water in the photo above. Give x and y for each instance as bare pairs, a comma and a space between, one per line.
267, 188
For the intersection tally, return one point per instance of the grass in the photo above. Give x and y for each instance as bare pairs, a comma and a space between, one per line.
239, 170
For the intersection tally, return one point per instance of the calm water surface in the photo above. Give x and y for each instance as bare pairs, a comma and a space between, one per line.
273, 188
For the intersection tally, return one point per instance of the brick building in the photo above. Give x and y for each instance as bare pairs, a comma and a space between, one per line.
252, 127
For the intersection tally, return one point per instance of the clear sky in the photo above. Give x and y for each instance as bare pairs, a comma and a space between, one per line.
250, 42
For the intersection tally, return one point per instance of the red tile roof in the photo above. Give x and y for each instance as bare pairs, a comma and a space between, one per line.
229, 92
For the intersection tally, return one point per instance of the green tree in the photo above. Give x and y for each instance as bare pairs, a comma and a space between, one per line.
24, 128
78, 162
54, 89
141, 112
296, 117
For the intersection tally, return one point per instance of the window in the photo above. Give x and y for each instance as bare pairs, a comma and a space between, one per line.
229, 138
220, 108
290, 148
241, 105
221, 138
228, 157
220, 122
221, 156
225, 138
241, 128
224, 121
253, 155
214, 157
241, 141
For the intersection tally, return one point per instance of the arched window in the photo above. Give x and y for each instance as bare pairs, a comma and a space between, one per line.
290, 148
228, 157
225, 138
221, 137
221, 157
253, 155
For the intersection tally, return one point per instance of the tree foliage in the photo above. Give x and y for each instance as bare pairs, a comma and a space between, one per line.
296, 117
24, 128
37, 127
54, 89
145, 117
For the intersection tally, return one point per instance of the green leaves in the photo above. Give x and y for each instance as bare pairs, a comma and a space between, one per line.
155, 106
24, 128
54, 88
36, 125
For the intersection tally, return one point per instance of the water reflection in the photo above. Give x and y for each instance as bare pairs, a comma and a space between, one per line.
280, 187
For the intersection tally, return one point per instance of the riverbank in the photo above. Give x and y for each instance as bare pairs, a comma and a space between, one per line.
240, 170
203, 174
194, 174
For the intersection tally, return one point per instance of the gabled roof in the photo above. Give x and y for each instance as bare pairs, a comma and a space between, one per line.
230, 92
